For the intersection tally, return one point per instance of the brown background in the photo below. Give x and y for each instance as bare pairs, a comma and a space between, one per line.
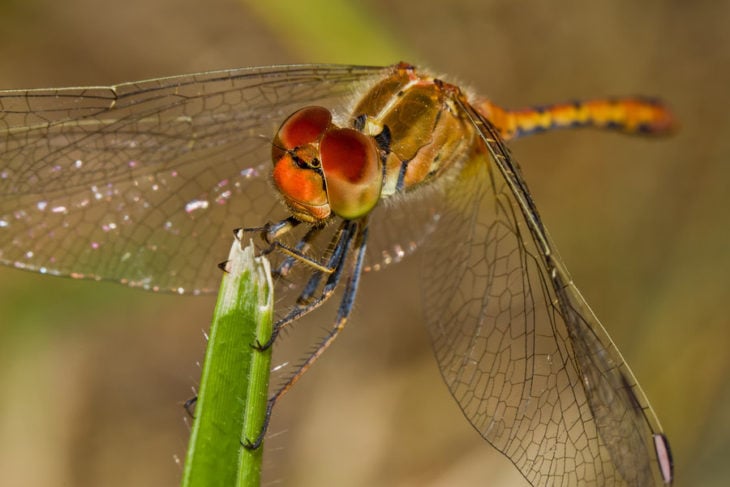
93, 375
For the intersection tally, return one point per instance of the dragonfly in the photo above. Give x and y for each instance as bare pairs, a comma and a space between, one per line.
345, 170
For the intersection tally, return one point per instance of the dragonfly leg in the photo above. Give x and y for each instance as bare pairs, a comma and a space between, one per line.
271, 233
296, 254
305, 303
188, 405
271, 230
301, 247
343, 314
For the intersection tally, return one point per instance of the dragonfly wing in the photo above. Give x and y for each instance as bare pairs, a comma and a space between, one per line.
143, 182
529, 364
399, 226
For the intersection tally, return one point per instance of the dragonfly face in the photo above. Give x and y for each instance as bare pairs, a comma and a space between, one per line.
320, 169
142, 182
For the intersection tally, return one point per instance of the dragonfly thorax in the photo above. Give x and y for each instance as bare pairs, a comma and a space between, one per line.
427, 133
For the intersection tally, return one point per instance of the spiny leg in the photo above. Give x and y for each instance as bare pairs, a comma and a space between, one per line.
272, 232
305, 304
301, 247
340, 245
188, 405
269, 232
343, 313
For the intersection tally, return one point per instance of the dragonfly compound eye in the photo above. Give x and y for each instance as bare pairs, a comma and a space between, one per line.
353, 171
297, 173
305, 126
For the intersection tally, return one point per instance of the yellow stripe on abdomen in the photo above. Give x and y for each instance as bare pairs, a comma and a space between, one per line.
628, 115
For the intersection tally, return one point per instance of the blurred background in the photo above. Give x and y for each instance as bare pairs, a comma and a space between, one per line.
94, 375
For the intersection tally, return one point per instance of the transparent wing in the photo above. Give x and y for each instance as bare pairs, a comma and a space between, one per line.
143, 182
531, 367
399, 226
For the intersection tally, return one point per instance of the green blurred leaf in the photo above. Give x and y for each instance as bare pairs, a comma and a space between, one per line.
336, 31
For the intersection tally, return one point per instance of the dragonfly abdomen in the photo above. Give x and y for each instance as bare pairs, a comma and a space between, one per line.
632, 115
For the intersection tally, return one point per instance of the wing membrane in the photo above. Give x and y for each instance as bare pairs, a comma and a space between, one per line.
142, 182
531, 367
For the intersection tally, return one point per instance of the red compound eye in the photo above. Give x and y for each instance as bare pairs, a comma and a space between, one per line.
295, 153
305, 126
353, 171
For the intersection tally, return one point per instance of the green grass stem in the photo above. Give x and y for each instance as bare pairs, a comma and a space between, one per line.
231, 402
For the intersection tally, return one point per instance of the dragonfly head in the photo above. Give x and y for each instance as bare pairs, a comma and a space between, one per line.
321, 169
